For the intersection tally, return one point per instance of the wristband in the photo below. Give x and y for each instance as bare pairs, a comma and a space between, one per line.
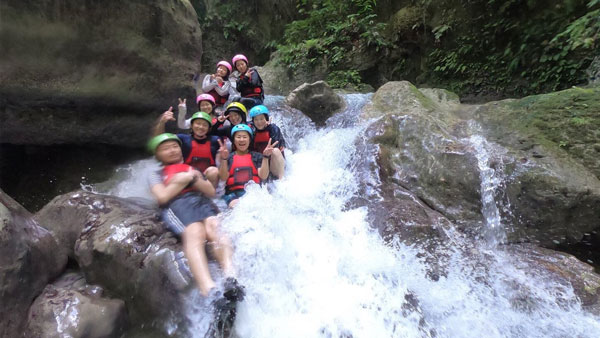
267, 156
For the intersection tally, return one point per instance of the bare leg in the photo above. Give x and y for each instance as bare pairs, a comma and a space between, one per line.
194, 238
222, 245
277, 164
212, 175
234, 203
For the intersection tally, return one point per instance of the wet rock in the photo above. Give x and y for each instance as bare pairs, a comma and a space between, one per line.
29, 258
317, 101
423, 147
551, 163
123, 246
94, 77
70, 307
561, 268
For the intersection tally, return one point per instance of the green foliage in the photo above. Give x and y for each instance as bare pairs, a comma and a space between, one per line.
329, 33
349, 79
516, 48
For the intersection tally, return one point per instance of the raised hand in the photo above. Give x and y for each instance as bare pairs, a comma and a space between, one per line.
269, 148
222, 118
223, 152
219, 79
182, 103
167, 116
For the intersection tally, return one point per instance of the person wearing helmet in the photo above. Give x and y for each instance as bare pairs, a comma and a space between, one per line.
199, 148
235, 114
249, 82
184, 197
242, 165
205, 102
217, 84
264, 131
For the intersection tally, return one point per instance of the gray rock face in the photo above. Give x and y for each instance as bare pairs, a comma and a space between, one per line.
70, 307
316, 100
29, 258
122, 245
93, 75
419, 141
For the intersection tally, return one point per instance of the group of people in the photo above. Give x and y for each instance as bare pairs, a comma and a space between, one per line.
223, 146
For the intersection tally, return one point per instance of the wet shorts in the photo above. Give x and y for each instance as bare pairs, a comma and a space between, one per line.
186, 209
233, 195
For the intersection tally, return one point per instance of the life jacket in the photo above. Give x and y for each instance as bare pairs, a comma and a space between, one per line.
170, 170
219, 100
261, 139
252, 91
242, 171
200, 156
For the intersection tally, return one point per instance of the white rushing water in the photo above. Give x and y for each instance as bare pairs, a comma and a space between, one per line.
314, 267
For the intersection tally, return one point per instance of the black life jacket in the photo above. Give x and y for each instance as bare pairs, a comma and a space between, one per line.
251, 90
219, 100
170, 170
242, 171
200, 156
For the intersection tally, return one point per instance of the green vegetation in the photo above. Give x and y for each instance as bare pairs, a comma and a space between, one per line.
516, 47
331, 33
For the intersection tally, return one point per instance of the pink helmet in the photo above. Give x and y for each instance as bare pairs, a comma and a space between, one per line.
205, 97
225, 64
239, 57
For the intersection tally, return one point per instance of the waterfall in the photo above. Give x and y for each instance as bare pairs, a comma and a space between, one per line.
314, 267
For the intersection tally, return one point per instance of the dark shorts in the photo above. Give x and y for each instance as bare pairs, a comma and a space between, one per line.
186, 209
233, 195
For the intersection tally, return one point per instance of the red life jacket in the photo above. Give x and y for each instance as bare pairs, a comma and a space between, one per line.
200, 156
170, 170
219, 100
242, 170
261, 139
252, 91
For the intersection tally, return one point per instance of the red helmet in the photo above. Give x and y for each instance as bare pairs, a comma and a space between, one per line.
225, 64
205, 97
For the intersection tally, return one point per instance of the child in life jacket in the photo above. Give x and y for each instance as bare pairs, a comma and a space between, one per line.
242, 165
205, 102
235, 114
264, 131
199, 148
184, 197
217, 84
249, 83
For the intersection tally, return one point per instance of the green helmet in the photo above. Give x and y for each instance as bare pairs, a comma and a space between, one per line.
202, 115
157, 140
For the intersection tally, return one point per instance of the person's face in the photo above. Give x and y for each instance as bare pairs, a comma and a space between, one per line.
241, 139
235, 118
222, 71
200, 127
241, 66
169, 152
260, 121
206, 107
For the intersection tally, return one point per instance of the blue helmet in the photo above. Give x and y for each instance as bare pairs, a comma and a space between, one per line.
257, 110
241, 127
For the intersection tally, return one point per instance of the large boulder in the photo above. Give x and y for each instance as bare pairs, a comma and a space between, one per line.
316, 100
69, 307
29, 258
425, 146
90, 74
552, 163
122, 245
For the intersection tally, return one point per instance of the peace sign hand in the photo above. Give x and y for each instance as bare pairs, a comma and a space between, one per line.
223, 152
182, 103
222, 118
167, 116
269, 149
